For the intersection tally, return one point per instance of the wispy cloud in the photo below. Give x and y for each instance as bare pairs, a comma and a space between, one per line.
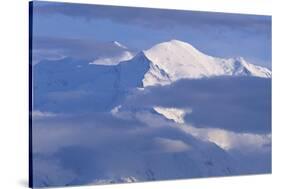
53, 48
82, 148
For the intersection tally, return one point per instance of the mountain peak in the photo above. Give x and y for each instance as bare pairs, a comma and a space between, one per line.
177, 50
174, 60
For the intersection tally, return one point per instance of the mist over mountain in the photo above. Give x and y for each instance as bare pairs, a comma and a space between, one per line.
168, 112
109, 79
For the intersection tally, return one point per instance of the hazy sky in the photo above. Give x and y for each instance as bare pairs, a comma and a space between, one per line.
81, 29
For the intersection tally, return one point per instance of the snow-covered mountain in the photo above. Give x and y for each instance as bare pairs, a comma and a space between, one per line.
110, 79
174, 60
125, 133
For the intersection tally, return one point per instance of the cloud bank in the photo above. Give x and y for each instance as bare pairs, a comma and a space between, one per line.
241, 104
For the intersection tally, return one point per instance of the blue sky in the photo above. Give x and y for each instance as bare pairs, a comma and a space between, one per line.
80, 30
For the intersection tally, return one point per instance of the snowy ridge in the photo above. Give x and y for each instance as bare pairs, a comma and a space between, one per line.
114, 60
174, 60
175, 114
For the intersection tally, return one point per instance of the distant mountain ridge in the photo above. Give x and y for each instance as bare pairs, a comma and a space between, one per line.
164, 63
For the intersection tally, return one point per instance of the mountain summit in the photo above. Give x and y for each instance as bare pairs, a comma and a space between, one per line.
174, 60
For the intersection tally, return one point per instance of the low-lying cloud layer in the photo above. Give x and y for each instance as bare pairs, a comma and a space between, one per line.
133, 142
241, 104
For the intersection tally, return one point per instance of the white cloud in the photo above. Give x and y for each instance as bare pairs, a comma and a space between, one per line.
228, 140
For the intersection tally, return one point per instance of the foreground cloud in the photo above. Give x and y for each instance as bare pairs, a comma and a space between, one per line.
241, 104
128, 140
99, 148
